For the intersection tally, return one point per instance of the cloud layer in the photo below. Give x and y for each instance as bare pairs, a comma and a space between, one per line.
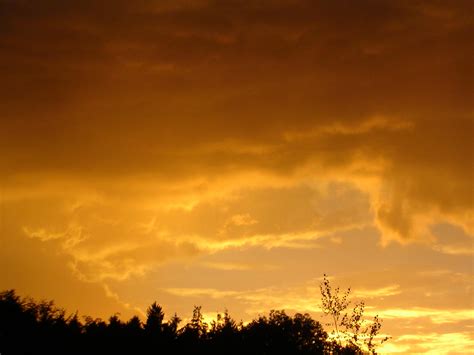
139, 135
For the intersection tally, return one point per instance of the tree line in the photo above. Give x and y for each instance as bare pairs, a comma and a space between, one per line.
30, 327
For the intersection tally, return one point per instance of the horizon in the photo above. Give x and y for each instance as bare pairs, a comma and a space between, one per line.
227, 154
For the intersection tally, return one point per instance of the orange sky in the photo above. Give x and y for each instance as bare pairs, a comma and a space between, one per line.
228, 153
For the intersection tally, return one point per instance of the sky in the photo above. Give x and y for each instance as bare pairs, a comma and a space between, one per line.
229, 153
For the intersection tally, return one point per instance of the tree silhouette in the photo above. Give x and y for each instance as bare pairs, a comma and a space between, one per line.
30, 327
154, 320
333, 304
225, 335
352, 330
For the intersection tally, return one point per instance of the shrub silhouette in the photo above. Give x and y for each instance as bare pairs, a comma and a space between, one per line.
29, 327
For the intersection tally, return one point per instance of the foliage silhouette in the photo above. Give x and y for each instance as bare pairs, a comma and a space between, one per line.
353, 330
29, 327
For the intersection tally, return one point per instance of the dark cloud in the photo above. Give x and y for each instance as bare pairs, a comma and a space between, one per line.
115, 89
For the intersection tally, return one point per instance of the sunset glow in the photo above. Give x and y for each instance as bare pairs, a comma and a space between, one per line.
229, 153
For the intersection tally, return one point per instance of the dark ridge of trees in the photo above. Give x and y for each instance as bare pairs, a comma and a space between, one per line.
29, 327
